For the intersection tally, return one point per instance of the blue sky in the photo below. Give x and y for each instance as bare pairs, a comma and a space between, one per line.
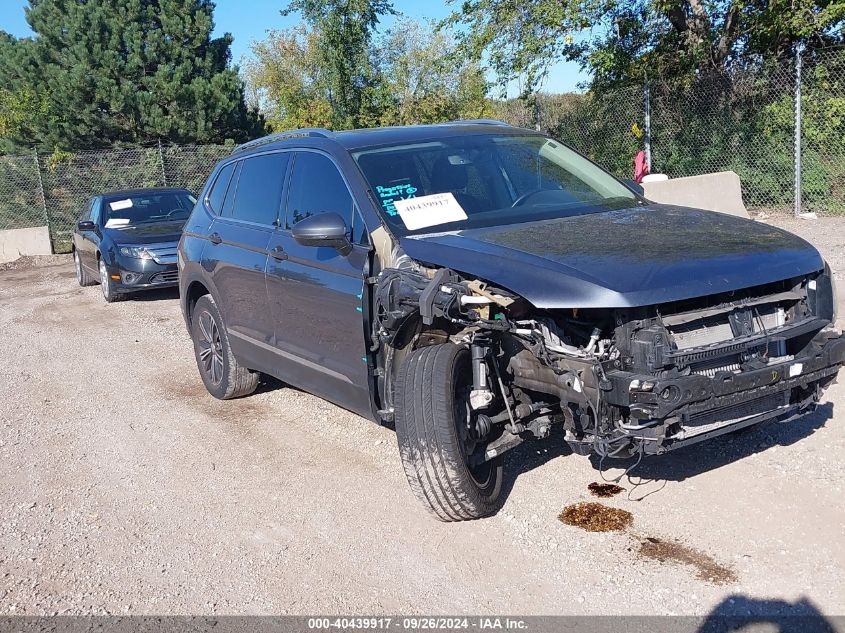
249, 20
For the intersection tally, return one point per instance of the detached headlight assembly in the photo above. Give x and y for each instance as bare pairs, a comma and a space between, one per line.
138, 252
822, 295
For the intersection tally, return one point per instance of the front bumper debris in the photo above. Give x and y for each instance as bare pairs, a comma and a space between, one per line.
668, 413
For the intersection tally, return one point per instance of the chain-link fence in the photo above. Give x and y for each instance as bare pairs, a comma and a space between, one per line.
822, 155
607, 128
36, 189
21, 201
745, 122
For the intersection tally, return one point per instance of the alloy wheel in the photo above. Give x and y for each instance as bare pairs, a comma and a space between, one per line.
471, 445
105, 282
210, 347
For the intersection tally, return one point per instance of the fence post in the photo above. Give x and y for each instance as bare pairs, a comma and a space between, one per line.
797, 161
43, 194
161, 163
647, 108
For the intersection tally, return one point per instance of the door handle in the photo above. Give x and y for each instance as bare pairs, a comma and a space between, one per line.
277, 252
215, 238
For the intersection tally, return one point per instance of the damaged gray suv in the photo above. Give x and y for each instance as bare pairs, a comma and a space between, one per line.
476, 284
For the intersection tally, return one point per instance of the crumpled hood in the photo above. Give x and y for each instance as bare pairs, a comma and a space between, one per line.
155, 233
631, 257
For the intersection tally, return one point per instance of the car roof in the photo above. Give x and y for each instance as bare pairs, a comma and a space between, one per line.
142, 191
359, 139
375, 137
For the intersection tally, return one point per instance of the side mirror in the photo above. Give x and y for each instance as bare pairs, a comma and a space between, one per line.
324, 229
86, 225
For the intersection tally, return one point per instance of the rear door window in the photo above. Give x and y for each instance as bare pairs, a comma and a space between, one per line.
217, 194
259, 189
316, 186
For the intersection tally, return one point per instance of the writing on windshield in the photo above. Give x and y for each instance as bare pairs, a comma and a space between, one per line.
495, 179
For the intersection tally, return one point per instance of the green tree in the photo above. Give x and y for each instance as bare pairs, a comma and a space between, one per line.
287, 81
21, 112
426, 82
413, 80
346, 29
618, 40
115, 72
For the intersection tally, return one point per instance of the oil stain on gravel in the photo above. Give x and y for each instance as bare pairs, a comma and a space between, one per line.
706, 567
595, 517
604, 490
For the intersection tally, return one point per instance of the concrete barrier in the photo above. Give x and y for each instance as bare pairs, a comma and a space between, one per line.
720, 192
15, 243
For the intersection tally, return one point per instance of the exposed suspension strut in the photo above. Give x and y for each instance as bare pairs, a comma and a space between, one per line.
481, 395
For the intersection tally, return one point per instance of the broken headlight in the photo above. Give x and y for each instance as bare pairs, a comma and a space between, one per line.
822, 295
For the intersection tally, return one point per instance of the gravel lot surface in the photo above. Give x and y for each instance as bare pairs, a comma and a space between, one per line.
126, 489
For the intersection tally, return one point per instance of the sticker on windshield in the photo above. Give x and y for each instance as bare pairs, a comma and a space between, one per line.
115, 222
117, 205
425, 211
389, 195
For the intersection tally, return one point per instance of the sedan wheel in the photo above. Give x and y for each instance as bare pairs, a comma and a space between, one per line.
106, 285
82, 276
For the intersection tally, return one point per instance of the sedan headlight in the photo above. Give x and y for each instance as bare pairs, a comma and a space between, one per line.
139, 252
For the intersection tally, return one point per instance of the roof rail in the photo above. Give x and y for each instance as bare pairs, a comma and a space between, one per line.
279, 136
483, 122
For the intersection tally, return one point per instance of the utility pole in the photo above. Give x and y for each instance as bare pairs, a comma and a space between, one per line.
43, 194
161, 162
647, 109
797, 156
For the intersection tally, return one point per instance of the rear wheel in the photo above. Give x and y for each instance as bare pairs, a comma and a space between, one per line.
107, 285
433, 427
82, 275
221, 373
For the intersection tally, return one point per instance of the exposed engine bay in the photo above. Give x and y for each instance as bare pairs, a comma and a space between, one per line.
620, 381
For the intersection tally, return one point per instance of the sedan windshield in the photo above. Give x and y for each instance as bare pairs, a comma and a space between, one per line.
486, 180
147, 208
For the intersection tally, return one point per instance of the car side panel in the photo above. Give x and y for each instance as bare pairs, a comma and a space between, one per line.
315, 297
237, 266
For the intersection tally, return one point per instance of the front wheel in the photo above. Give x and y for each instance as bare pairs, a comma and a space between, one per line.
221, 373
82, 275
107, 285
432, 426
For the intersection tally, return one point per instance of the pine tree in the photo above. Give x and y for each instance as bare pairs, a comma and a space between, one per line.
119, 72
346, 29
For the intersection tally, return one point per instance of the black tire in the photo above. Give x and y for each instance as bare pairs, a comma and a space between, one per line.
107, 285
82, 275
221, 373
430, 404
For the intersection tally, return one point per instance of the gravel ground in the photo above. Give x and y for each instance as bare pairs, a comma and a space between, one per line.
128, 490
